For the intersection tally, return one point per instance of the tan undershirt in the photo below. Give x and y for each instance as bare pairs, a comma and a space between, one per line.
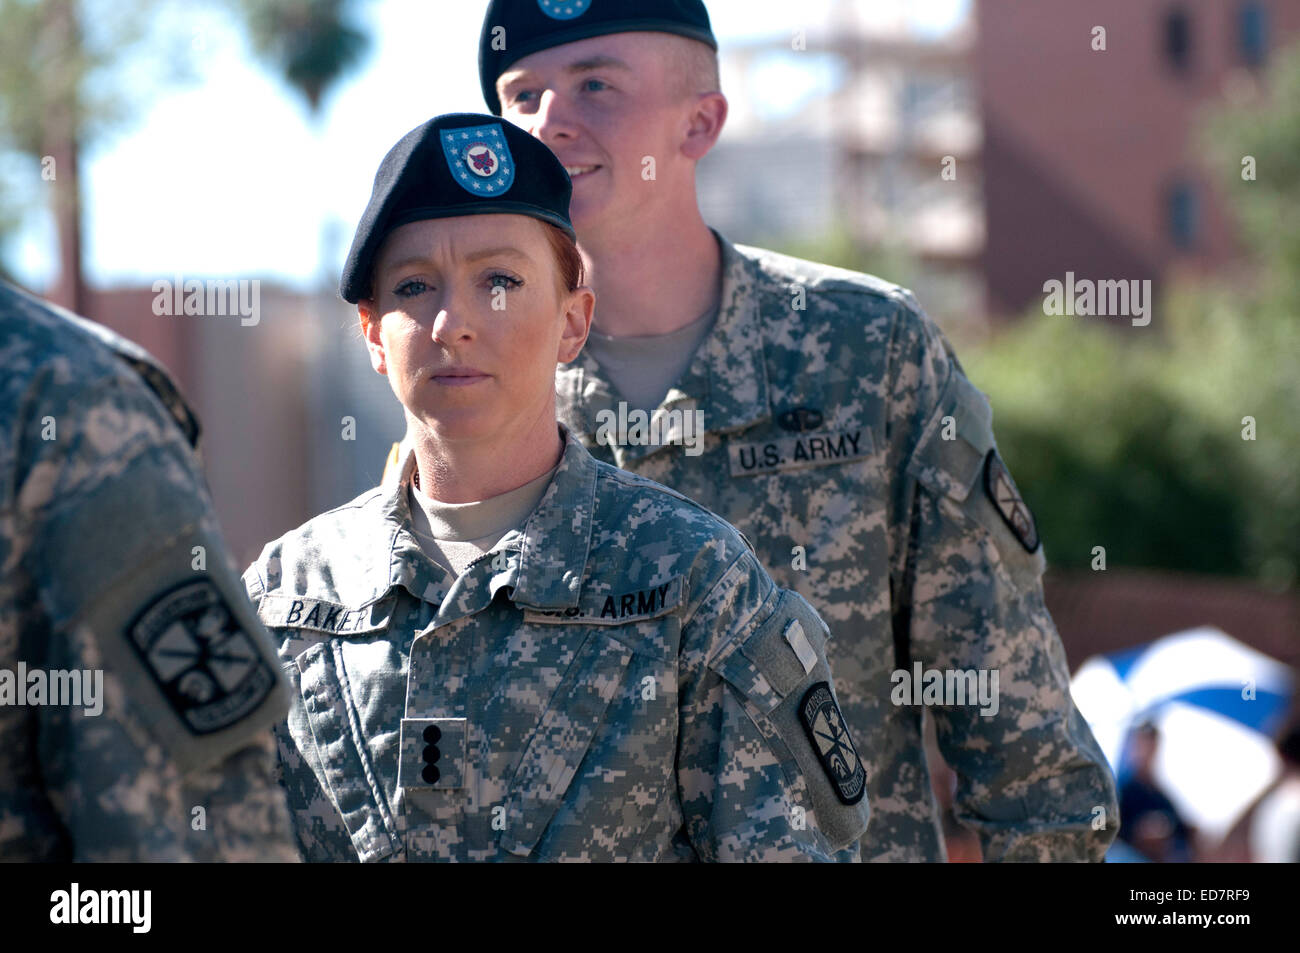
645, 366
455, 534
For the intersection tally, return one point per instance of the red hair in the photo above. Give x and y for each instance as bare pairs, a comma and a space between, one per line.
567, 257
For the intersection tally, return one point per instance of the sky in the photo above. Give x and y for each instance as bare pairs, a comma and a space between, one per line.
225, 173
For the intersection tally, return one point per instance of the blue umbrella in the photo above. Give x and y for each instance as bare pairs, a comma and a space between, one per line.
1217, 704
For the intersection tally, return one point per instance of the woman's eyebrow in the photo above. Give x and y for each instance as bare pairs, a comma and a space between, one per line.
498, 252
406, 262
501, 251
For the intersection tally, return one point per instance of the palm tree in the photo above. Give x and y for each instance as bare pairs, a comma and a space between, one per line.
57, 92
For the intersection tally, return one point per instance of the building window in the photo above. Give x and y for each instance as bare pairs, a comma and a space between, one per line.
1178, 39
1183, 215
1252, 33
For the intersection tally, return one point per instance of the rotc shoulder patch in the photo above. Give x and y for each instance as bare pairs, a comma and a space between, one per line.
1006, 498
479, 159
208, 668
824, 725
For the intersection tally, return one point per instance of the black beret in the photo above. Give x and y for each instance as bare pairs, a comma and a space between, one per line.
533, 25
458, 164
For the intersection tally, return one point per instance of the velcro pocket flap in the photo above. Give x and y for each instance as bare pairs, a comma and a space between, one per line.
349, 776
949, 458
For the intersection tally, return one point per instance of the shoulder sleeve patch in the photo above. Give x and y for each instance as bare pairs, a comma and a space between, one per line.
1006, 499
824, 725
208, 668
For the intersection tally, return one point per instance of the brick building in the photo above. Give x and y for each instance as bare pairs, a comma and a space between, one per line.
1089, 159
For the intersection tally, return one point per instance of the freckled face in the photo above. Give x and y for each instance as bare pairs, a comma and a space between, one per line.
467, 320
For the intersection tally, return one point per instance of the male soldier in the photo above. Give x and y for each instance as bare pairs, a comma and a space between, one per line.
840, 434
136, 685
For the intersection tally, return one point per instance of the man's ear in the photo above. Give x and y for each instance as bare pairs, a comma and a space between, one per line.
578, 309
370, 326
708, 116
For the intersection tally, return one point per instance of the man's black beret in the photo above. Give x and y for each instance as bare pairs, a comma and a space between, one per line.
532, 25
458, 164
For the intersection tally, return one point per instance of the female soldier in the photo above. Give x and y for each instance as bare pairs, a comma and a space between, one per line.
519, 652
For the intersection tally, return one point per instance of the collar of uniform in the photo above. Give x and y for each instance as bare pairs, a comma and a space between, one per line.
733, 353
408, 565
726, 379
557, 536
552, 547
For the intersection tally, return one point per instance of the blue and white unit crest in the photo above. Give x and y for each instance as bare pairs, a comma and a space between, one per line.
564, 9
479, 159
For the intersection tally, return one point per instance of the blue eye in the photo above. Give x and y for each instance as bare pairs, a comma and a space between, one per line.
522, 97
409, 289
594, 85
501, 280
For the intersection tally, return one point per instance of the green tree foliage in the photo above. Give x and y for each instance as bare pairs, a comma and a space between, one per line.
1264, 126
837, 247
1131, 438
52, 65
58, 93
66, 71
311, 42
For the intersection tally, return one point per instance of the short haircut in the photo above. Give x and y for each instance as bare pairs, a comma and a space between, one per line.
692, 68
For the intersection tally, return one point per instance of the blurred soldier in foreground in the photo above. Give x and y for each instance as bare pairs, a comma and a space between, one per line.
517, 653
136, 685
823, 414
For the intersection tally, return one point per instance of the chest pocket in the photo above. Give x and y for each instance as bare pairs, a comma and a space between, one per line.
615, 713
812, 489
558, 745
347, 686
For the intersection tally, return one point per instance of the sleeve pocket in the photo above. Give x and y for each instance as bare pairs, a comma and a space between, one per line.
949, 457
561, 740
781, 670
957, 468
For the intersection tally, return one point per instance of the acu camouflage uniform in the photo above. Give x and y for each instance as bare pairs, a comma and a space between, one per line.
619, 680
101, 504
825, 430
